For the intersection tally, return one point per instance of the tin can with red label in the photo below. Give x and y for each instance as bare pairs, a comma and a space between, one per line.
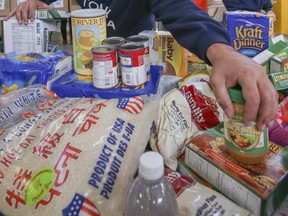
104, 67
132, 64
115, 42
145, 41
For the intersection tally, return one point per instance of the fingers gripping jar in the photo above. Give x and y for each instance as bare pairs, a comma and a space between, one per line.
245, 143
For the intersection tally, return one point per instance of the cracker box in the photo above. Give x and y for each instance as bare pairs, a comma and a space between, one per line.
249, 31
258, 188
165, 51
279, 62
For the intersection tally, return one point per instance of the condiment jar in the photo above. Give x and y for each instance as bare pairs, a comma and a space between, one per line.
245, 143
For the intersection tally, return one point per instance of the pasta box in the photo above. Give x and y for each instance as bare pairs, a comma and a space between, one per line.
260, 188
249, 31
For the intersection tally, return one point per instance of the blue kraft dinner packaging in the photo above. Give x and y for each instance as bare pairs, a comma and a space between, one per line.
19, 71
75, 85
249, 31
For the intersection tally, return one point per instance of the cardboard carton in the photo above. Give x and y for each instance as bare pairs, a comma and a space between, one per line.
73, 5
259, 188
22, 39
279, 62
165, 51
4, 7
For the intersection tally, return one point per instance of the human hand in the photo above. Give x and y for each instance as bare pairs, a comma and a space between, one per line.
271, 13
26, 11
231, 68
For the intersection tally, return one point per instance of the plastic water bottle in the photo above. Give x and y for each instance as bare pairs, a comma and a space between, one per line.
151, 194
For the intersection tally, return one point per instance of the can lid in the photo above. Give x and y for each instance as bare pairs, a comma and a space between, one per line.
114, 41
103, 49
236, 95
131, 46
87, 13
137, 38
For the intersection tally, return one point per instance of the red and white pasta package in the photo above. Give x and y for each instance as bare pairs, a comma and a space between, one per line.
76, 155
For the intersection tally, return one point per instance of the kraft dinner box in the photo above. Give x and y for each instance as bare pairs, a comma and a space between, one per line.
259, 188
249, 31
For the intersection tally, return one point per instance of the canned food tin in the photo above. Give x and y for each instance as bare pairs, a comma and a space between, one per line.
132, 64
104, 67
88, 31
145, 41
114, 41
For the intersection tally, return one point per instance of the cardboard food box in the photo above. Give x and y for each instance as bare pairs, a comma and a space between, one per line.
15, 3
22, 39
51, 14
165, 51
249, 31
61, 5
279, 62
4, 7
73, 5
263, 58
216, 12
259, 188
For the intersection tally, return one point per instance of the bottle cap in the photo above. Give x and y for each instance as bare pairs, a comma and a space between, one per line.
151, 165
236, 95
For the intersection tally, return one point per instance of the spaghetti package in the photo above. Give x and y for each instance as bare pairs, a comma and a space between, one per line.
19, 71
75, 156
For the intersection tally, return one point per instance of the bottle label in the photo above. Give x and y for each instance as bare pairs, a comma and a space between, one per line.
243, 138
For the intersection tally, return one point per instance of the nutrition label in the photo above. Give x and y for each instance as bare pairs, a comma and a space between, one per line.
23, 38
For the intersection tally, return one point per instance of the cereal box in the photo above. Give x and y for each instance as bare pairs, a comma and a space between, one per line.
249, 31
260, 188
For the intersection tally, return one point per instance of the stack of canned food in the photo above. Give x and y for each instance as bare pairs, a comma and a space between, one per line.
119, 59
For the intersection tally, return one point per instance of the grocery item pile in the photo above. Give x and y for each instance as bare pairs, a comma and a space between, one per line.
68, 146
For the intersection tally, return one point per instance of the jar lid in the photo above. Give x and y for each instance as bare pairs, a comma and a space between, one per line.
236, 95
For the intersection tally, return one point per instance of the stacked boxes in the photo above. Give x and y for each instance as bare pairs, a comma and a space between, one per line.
259, 188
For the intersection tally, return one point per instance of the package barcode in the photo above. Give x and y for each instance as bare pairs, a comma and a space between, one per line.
42, 14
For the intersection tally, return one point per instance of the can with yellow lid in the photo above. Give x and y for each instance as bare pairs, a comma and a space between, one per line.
88, 31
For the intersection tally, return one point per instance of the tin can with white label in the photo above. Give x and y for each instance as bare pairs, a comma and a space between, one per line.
88, 31
145, 41
132, 64
104, 67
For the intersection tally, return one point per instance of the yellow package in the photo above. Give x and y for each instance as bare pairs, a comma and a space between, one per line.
164, 50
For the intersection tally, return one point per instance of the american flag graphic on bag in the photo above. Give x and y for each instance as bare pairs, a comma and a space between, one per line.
133, 105
80, 206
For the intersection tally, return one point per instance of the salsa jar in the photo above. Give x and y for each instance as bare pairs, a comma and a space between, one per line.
245, 143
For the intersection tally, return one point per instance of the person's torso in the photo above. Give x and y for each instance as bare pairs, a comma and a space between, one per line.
248, 5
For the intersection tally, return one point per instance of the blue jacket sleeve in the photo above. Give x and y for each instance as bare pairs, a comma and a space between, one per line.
267, 5
190, 26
